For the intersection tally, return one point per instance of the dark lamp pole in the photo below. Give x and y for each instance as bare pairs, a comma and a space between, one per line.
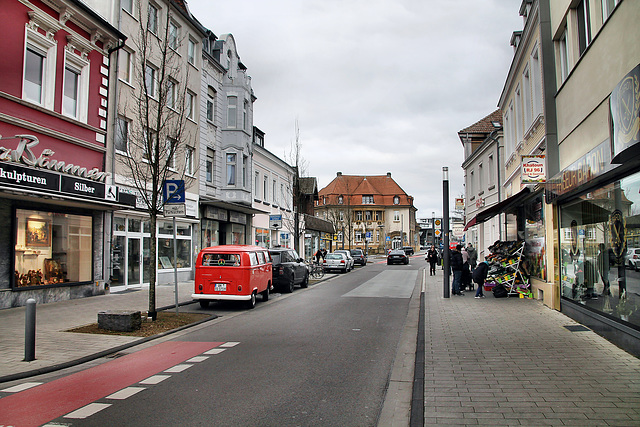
445, 229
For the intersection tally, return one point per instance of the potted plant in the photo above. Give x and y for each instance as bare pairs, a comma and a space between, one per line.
626, 308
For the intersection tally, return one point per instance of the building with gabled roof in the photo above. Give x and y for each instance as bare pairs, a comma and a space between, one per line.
370, 212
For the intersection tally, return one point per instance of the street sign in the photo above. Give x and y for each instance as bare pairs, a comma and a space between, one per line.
275, 221
173, 191
175, 209
438, 233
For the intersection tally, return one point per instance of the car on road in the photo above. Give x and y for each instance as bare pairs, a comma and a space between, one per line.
350, 259
336, 261
397, 256
358, 256
288, 269
232, 273
633, 258
408, 250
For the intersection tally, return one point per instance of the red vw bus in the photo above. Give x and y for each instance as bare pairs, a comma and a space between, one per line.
232, 273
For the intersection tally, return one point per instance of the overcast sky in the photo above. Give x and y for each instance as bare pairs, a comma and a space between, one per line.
376, 86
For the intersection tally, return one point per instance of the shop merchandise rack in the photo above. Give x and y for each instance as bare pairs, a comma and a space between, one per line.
505, 261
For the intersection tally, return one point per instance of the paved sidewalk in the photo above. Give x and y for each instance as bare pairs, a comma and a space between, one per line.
512, 361
54, 346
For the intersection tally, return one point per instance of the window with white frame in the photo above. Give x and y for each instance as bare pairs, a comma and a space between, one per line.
378, 216
71, 92
358, 215
188, 161
584, 26
121, 137
152, 19
231, 169
282, 195
396, 216
174, 35
341, 216
211, 104
492, 174
171, 153
191, 105
171, 94
265, 188
245, 170
76, 87
367, 216
191, 52
274, 192
563, 53
480, 178
151, 80
396, 200
526, 97
39, 76
127, 5
245, 119
367, 199
232, 113
256, 185
358, 237
607, 8
340, 200
518, 117
209, 165
126, 65
150, 142
536, 82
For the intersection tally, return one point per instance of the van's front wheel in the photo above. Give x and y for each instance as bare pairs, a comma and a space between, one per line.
252, 301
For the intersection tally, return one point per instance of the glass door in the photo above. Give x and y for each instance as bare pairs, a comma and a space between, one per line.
133, 261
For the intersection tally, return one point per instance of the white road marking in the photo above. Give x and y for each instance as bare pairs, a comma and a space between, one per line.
198, 359
20, 387
178, 368
87, 411
229, 344
125, 392
215, 351
155, 379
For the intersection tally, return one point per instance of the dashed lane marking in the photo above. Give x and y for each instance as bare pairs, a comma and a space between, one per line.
125, 392
197, 359
88, 410
215, 351
155, 379
229, 344
20, 387
177, 368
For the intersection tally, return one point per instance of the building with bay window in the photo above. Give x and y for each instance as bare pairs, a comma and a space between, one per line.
56, 195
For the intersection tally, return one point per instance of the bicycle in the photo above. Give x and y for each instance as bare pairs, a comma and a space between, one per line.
316, 270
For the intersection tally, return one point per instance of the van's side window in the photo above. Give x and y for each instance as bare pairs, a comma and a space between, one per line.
253, 257
267, 257
260, 258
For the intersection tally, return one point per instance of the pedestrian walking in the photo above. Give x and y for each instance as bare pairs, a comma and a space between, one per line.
479, 276
432, 259
473, 256
456, 268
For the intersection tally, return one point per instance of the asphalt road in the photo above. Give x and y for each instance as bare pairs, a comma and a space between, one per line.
319, 356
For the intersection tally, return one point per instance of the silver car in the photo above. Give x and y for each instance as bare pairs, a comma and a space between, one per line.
336, 261
350, 259
633, 258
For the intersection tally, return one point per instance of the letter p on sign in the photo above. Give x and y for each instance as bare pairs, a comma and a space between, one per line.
173, 191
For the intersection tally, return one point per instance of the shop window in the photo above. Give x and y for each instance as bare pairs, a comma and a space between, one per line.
52, 248
534, 256
165, 245
599, 261
262, 237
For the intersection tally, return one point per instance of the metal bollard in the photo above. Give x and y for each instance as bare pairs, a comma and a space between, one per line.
30, 331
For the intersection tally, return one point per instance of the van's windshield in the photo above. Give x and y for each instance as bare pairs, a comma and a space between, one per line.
227, 260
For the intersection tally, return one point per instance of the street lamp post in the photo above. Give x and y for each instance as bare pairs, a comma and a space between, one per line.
445, 227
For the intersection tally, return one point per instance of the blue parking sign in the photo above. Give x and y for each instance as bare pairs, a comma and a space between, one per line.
173, 191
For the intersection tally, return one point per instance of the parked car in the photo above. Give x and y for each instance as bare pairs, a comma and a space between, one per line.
350, 260
408, 250
397, 256
358, 256
288, 269
336, 261
232, 273
633, 258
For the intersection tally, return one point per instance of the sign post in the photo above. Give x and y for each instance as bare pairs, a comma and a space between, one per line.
174, 205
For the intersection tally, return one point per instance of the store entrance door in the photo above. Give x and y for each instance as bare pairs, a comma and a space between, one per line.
133, 262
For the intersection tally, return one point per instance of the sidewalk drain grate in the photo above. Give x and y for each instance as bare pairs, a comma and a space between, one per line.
576, 328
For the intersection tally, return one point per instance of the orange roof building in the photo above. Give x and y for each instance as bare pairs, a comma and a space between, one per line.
368, 212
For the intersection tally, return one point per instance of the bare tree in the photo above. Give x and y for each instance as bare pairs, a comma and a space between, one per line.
157, 138
295, 159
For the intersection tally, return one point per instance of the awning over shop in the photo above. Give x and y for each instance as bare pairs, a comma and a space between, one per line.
470, 224
503, 206
211, 201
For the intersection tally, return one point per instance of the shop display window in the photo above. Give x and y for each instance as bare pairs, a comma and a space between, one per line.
599, 234
534, 256
210, 234
52, 248
165, 245
263, 237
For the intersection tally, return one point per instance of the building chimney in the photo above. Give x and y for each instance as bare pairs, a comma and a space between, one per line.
388, 174
339, 174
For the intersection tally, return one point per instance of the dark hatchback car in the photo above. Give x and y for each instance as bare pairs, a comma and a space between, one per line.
358, 257
288, 269
408, 250
397, 256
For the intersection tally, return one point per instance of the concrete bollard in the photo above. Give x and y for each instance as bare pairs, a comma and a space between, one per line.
30, 331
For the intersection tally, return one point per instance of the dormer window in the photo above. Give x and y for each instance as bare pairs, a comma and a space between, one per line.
396, 200
340, 200
367, 200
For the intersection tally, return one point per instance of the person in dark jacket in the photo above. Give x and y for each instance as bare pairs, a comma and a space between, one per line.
432, 259
480, 276
456, 267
